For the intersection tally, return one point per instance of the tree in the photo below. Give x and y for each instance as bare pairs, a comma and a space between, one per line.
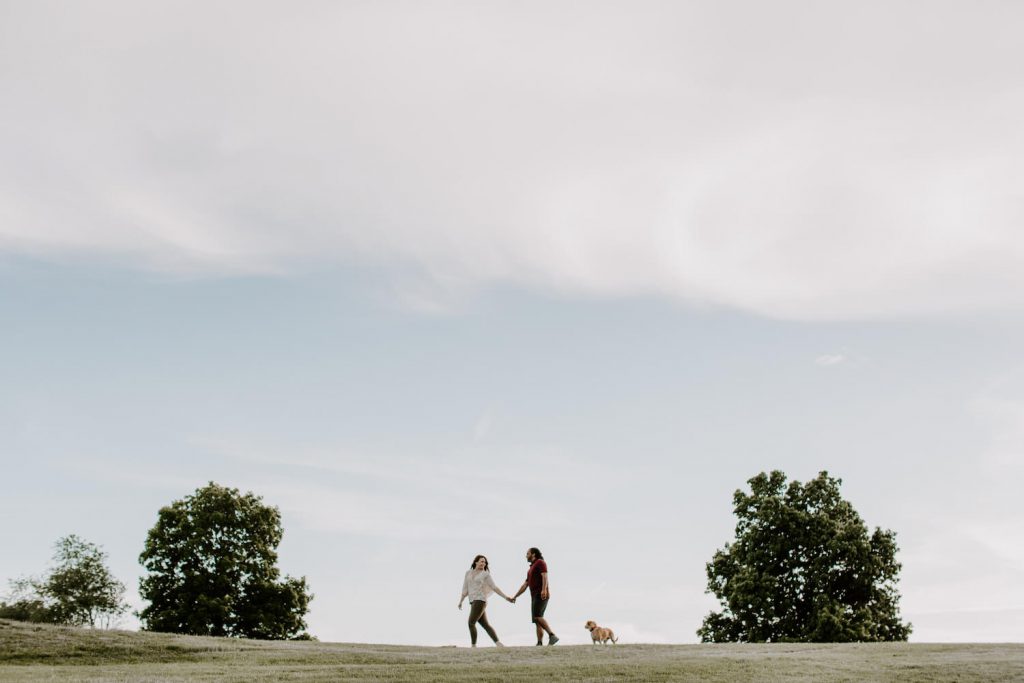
26, 604
79, 589
212, 563
803, 568
82, 589
27, 609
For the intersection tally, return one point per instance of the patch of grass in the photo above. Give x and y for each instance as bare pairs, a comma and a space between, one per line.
31, 652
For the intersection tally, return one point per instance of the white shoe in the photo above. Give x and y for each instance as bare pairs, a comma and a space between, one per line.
498, 643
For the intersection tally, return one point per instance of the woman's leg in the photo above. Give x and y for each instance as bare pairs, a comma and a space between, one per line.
476, 610
487, 625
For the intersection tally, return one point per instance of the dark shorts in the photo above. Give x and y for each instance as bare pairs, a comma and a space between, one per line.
537, 607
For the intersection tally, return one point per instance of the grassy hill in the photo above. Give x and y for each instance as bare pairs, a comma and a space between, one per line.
30, 652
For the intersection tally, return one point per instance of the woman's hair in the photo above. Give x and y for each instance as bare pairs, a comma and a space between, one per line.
487, 566
536, 553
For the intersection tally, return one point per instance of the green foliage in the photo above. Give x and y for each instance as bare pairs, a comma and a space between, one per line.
28, 609
82, 589
212, 563
803, 568
79, 590
24, 603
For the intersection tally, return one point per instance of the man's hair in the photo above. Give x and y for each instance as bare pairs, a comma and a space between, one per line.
536, 553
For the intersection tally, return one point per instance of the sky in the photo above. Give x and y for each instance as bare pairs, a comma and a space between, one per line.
447, 278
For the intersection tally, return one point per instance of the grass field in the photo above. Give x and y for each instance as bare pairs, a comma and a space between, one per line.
31, 652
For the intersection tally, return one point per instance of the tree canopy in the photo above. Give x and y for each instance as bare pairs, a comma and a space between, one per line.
78, 590
803, 568
212, 569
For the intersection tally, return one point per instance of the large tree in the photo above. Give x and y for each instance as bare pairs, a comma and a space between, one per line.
803, 568
212, 563
78, 590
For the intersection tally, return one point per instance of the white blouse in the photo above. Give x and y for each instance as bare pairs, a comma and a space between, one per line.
478, 585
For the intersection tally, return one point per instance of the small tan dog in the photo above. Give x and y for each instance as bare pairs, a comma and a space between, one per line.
600, 634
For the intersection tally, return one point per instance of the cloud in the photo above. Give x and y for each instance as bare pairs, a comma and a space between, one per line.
830, 359
422, 497
961, 568
793, 161
482, 426
1002, 414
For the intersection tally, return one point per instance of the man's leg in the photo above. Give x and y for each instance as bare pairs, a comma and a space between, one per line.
536, 613
538, 607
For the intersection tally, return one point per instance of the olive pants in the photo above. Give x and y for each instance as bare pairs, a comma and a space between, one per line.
476, 614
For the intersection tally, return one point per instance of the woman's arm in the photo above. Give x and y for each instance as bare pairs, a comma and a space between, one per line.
499, 592
465, 589
494, 587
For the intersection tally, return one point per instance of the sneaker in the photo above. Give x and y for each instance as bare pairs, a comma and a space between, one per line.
498, 643
552, 639
539, 643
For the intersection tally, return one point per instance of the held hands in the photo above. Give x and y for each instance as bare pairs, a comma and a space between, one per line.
512, 600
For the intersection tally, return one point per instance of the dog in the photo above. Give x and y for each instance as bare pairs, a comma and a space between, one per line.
600, 634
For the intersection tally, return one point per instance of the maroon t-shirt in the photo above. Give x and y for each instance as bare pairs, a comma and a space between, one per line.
534, 578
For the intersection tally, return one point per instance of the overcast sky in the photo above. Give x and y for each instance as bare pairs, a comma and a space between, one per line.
440, 278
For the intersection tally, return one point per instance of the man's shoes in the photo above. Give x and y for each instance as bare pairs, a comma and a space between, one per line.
552, 639
539, 643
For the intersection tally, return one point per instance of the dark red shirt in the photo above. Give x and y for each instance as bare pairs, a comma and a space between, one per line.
534, 578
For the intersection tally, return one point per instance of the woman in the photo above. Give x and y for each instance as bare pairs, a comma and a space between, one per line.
477, 586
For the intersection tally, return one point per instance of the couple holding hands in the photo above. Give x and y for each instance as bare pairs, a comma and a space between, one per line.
478, 586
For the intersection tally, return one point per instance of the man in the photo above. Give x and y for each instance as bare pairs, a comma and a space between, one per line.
537, 581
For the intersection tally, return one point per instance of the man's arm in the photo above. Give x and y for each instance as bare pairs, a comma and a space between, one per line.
521, 589
544, 587
494, 587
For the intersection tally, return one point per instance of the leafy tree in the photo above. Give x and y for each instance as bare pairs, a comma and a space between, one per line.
30, 609
24, 603
212, 569
78, 590
82, 589
803, 568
